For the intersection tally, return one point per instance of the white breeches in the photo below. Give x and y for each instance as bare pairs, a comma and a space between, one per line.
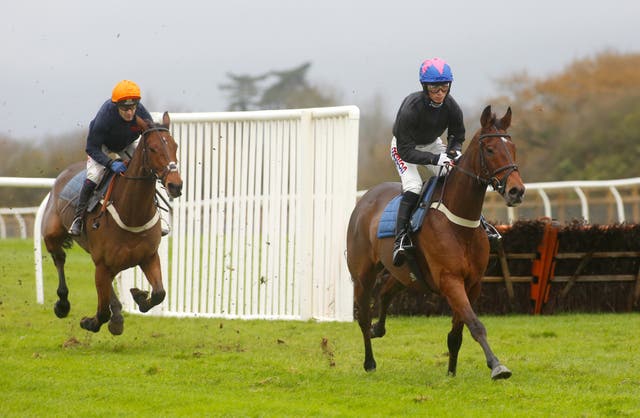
409, 175
95, 170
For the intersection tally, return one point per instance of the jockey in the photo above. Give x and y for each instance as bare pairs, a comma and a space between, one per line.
111, 139
422, 118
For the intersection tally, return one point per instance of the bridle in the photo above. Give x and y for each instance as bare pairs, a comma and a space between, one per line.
152, 174
491, 178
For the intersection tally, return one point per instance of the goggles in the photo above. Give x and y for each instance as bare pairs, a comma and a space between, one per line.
435, 88
126, 107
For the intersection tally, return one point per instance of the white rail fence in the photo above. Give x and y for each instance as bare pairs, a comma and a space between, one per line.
22, 217
260, 229
596, 202
238, 251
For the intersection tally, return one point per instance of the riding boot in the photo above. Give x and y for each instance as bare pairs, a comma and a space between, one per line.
78, 221
403, 237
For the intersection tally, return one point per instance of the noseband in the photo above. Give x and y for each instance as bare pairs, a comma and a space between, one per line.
169, 168
487, 178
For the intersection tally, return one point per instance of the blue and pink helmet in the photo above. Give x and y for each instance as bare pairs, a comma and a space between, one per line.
435, 70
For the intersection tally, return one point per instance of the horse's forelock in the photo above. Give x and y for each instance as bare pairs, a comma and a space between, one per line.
497, 122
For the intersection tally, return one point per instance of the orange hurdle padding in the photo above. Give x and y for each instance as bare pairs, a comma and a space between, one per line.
543, 267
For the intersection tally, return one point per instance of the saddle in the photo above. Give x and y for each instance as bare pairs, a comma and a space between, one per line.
387, 224
71, 190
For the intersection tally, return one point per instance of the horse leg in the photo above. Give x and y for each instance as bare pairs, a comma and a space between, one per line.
363, 287
453, 289
454, 342
116, 323
103, 280
153, 273
62, 305
53, 241
389, 290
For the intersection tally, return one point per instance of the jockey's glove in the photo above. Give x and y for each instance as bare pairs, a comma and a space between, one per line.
454, 154
443, 160
118, 167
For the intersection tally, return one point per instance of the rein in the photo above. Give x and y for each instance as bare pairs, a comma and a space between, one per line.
106, 203
487, 178
169, 168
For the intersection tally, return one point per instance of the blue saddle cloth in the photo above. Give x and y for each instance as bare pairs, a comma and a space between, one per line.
71, 190
387, 224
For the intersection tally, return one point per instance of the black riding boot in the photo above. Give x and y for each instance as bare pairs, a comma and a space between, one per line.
403, 238
78, 221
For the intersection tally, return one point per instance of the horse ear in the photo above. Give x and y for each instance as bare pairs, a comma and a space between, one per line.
485, 119
165, 120
505, 122
142, 123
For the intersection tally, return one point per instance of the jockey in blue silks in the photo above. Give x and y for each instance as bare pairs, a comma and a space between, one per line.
112, 138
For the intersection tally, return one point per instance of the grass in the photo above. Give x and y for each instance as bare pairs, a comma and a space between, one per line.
565, 365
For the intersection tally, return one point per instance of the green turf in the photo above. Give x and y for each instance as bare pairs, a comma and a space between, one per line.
564, 365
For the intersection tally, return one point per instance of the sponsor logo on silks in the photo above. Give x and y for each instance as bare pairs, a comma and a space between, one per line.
400, 165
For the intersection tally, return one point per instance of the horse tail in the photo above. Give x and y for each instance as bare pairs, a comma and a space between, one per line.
67, 243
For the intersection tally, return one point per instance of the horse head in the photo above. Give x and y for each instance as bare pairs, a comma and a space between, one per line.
496, 161
160, 150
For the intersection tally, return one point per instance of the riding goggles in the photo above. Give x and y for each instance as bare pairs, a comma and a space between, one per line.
126, 107
434, 88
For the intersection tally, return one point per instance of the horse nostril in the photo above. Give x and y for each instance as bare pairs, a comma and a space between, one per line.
516, 192
175, 189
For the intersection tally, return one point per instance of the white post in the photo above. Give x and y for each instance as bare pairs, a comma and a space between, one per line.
37, 249
304, 221
344, 296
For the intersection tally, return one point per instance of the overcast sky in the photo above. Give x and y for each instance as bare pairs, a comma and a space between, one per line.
60, 59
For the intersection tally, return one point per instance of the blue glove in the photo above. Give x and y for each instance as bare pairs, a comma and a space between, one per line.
118, 167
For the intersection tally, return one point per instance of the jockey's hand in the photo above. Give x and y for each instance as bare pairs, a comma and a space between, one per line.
118, 167
454, 154
444, 160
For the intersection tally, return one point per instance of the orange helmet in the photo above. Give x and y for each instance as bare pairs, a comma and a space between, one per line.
126, 92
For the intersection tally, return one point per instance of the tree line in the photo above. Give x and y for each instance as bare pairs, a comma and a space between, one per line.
581, 123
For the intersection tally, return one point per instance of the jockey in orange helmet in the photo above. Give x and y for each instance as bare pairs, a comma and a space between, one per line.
111, 138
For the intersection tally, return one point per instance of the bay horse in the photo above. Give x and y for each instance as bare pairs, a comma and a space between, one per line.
124, 238
451, 248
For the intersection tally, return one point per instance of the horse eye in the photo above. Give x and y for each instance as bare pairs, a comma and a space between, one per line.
152, 149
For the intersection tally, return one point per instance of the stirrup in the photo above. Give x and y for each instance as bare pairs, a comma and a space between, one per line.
491, 231
165, 228
76, 226
400, 248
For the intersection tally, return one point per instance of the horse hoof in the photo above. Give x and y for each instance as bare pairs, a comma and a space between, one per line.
140, 298
89, 324
62, 308
138, 294
370, 367
116, 326
500, 372
377, 331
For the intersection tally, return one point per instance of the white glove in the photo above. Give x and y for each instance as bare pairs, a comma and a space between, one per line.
444, 160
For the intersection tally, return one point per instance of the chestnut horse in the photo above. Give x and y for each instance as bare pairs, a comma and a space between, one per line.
451, 248
128, 237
